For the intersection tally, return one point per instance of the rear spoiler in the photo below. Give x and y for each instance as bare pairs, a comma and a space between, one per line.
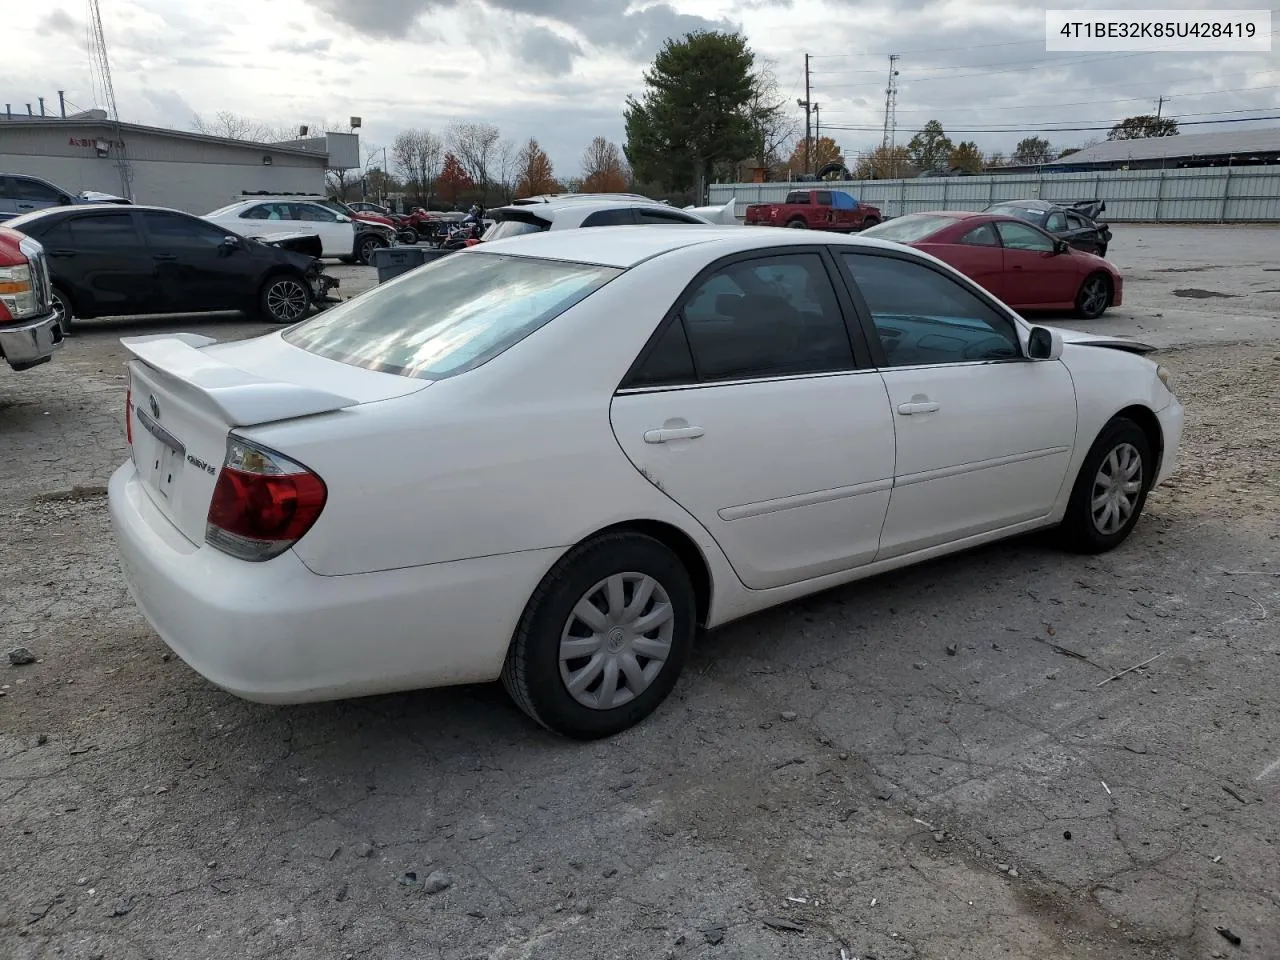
241, 398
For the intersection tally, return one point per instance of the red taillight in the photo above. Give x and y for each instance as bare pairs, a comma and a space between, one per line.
128, 414
262, 503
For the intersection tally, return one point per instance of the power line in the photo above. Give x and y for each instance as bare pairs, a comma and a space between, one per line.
1095, 103
1030, 128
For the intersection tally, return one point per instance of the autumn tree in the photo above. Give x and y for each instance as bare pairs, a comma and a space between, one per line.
603, 169
533, 171
419, 154
966, 156
1139, 128
453, 179
824, 151
930, 148
883, 163
996, 159
694, 112
1032, 151
474, 144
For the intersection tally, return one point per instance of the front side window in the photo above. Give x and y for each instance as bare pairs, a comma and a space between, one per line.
505, 229
621, 217
824, 198
449, 315
981, 236
173, 231
1056, 223
922, 316
1019, 236
664, 217
314, 213
34, 191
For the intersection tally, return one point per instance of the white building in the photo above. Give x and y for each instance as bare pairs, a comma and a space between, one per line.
168, 168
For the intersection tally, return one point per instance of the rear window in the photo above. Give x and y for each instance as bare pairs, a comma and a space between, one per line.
505, 229
798, 196
908, 229
449, 315
1030, 214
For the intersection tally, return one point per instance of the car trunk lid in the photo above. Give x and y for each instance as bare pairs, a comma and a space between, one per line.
187, 393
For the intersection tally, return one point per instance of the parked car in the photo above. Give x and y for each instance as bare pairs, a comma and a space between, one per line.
111, 261
365, 206
1077, 223
535, 215
831, 210
1021, 264
592, 442
341, 236
29, 329
20, 193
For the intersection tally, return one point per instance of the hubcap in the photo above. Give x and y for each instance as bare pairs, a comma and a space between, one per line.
616, 640
1116, 489
60, 312
287, 300
1095, 296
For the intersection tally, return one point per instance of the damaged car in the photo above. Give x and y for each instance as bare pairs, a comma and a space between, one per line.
108, 260
1079, 223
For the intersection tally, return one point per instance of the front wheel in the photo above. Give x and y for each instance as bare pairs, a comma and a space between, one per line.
604, 637
1111, 489
364, 253
284, 300
1094, 296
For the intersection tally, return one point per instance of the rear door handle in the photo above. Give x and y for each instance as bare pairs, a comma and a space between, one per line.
673, 433
62, 253
918, 406
165, 256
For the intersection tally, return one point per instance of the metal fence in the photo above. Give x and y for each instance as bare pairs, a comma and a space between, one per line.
1203, 195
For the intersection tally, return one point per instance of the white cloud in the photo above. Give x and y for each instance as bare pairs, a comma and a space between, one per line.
561, 69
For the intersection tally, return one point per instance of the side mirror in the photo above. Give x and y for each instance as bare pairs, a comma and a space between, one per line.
230, 244
1061, 246
1044, 344
65, 201
343, 219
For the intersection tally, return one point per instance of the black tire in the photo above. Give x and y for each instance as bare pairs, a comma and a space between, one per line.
797, 224
1094, 296
284, 298
62, 306
870, 222
347, 260
368, 244
1080, 530
1102, 250
532, 673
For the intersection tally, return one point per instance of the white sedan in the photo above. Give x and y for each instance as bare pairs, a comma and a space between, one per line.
550, 459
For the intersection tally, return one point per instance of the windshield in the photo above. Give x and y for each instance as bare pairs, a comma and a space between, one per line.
449, 315
505, 229
908, 229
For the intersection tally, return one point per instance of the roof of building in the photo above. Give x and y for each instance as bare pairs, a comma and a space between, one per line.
1227, 143
27, 122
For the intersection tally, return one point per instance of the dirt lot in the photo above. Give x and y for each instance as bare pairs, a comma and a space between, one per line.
828, 777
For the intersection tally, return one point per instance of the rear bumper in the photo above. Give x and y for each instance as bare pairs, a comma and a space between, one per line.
275, 632
29, 344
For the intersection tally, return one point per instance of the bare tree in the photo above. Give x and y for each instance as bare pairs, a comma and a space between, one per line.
419, 155
474, 144
233, 126
504, 161
603, 169
773, 124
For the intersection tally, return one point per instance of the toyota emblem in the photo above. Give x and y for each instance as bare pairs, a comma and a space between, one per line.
155, 407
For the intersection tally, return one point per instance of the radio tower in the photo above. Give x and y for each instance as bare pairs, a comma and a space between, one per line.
100, 69
891, 105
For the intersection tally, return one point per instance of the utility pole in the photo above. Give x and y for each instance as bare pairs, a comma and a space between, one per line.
817, 124
887, 143
1159, 107
808, 130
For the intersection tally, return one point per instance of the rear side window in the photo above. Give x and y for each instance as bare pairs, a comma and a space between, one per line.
664, 217
824, 198
504, 229
22, 188
450, 315
798, 196
105, 230
981, 236
621, 217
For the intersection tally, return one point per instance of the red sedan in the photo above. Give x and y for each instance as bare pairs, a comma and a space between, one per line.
1018, 262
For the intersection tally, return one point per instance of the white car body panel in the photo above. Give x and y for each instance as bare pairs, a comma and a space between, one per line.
725, 214
337, 237
450, 500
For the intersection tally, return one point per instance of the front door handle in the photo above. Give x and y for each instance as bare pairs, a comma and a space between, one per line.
918, 406
61, 254
165, 256
673, 433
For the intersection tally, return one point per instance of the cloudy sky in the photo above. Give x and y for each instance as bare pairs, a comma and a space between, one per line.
561, 69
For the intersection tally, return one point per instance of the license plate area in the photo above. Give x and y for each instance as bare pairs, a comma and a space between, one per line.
161, 463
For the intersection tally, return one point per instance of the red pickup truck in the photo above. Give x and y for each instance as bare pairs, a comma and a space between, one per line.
29, 328
832, 210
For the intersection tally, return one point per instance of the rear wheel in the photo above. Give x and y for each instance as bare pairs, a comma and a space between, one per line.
604, 637
1111, 489
869, 222
1094, 296
61, 305
284, 299
797, 224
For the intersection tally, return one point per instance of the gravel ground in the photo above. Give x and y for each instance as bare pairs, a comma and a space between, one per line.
919, 767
